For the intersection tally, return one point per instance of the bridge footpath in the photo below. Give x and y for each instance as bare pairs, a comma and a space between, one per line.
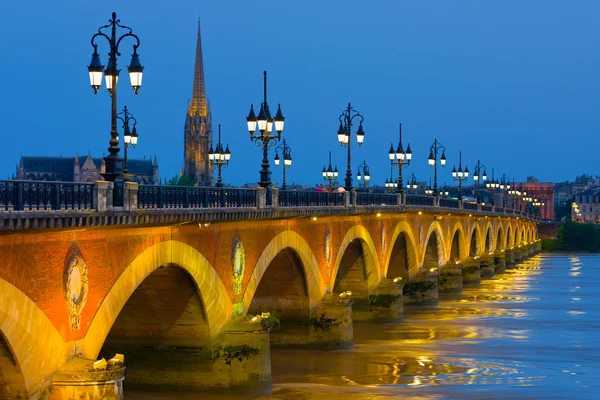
180, 285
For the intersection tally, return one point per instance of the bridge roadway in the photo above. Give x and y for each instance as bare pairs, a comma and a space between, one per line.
173, 278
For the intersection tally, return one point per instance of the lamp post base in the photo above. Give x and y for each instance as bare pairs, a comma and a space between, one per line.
113, 168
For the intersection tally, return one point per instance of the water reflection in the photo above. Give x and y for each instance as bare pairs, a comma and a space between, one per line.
522, 334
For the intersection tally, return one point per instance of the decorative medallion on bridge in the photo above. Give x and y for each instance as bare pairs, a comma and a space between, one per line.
238, 262
421, 238
75, 286
327, 250
383, 240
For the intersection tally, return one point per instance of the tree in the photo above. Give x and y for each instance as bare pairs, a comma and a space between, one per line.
181, 180
585, 237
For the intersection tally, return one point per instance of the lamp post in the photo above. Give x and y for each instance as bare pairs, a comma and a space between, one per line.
513, 192
444, 192
219, 157
287, 159
492, 186
400, 159
391, 186
266, 138
429, 190
367, 176
460, 175
344, 131
330, 175
113, 163
479, 172
412, 182
433, 156
130, 137
504, 186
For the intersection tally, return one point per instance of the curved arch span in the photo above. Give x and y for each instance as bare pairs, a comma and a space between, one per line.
412, 262
458, 246
440, 244
37, 347
287, 239
509, 237
372, 268
217, 304
475, 242
500, 238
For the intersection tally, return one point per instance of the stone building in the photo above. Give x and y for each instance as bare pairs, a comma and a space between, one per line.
586, 206
197, 131
74, 169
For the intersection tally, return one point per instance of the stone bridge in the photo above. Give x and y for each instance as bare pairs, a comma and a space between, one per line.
178, 291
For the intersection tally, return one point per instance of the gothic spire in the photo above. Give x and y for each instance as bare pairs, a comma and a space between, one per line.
198, 104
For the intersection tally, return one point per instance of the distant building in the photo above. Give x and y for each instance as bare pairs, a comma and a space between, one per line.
71, 169
197, 130
542, 191
586, 206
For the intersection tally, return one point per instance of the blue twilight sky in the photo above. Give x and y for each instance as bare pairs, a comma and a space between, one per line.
514, 83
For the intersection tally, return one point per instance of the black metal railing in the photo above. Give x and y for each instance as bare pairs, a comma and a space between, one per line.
486, 208
416, 200
194, 197
470, 206
44, 195
449, 203
306, 198
376, 199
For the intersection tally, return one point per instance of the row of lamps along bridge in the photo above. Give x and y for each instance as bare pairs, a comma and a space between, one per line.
265, 131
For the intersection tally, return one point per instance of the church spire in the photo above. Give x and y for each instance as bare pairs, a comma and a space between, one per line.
198, 104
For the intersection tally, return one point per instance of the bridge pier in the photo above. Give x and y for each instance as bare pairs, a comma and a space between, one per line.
78, 379
486, 264
450, 278
423, 291
471, 272
518, 254
499, 262
509, 258
384, 304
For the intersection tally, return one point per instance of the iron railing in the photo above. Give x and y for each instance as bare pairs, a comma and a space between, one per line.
416, 200
449, 203
376, 199
194, 197
45, 195
470, 206
487, 208
305, 198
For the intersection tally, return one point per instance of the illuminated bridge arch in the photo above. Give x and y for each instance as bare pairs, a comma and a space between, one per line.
434, 246
402, 258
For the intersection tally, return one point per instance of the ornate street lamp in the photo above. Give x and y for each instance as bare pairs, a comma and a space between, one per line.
504, 186
365, 174
130, 136
444, 191
412, 182
433, 157
460, 175
344, 131
479, 175
287, 159
113, 163
429, 190
266, 138
219, 157
330, 174
492, 185
391, 186
400, 159
514, 193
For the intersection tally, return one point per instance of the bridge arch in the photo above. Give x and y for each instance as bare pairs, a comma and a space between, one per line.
518, 236
356, 247
475, 242
500, 238
434, 250
509, 237
489, 241
402, 259
291, 242
31, 349
215, 300
458, 249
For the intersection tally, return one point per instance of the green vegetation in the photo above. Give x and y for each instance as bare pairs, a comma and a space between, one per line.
181, 180
445, 277
549, 244
229, 353
470, 270
324, 323
578, 237
412, 288
270, 322
383, 300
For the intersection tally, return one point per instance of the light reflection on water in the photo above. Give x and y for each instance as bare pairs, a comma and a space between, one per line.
520, 335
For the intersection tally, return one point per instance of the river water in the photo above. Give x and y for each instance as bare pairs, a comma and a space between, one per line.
532, 332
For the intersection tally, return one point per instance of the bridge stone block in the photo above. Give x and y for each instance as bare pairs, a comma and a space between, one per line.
509, 258
518, 254
471, 272
384, 304
486, 265
78, 379
499, 262
332, 328
450, 279
423, 291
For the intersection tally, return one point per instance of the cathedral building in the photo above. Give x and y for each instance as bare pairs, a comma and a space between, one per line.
197, 131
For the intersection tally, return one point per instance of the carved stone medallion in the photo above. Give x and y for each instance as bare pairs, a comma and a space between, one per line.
238, 264
383, 240
75, 282
327, 250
